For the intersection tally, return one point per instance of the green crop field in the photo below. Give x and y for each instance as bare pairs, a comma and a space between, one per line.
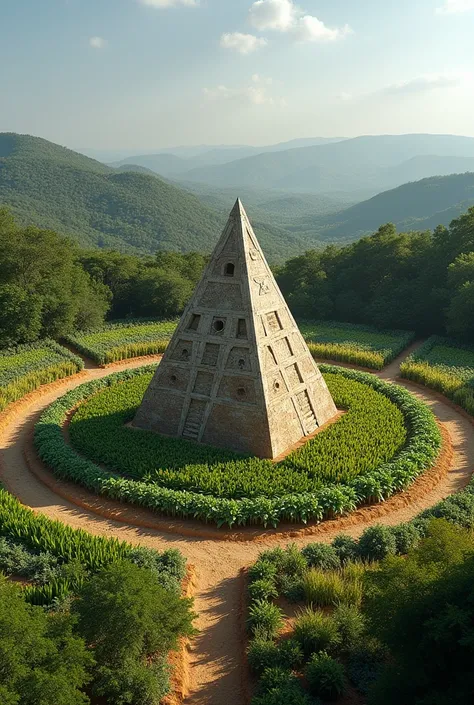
360, 345
445, 365
356, 344
378, 447
120, 341
26, 367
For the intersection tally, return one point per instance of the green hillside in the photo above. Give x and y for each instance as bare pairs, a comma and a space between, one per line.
420, 205
53, 187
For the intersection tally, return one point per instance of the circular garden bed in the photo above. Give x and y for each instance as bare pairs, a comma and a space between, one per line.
384, 441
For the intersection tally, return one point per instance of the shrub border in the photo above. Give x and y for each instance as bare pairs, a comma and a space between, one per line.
420, 453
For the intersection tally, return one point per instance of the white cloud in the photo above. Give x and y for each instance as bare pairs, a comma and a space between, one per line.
243, 43
454, 7
169, 3
255, 94
257, 78
427, 82
273, 14
97, 42
310, 29
285, 16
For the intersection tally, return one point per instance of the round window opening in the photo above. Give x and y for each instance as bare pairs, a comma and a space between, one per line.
276, 385
173, 378
218, 326
241, 363
241, 392
185, 353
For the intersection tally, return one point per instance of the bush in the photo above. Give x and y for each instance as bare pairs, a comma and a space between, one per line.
276, 677
407, 536
265, 617
262, 570
294, 563
350, 625
290, 654
134, 682
377, 542
261, 654
289, 695
276, 556
325, 676
365, 663
346, 548
315, 631
263, 589
291, 588
322, 556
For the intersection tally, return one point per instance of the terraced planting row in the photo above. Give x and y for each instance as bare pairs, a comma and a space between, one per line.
446, 366
123, 340
385, 440
27, 367
360, 345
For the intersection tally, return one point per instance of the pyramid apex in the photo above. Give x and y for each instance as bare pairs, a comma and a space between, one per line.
238, 208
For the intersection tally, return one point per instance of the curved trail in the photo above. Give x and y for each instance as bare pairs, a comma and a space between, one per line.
217, 676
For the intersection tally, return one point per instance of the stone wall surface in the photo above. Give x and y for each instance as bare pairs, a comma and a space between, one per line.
237, 373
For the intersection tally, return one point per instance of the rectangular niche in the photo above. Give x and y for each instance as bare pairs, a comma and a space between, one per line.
293, 375
242, 328
194, 322
211, 354
283, 349
203, 383
273, 323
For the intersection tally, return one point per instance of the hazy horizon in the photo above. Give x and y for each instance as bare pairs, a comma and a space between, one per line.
150, 74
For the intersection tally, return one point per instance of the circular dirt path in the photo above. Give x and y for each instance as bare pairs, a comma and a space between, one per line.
217, 675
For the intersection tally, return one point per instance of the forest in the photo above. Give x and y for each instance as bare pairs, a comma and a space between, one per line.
421, 281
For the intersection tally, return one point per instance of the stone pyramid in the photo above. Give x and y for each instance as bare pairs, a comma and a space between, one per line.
237, 373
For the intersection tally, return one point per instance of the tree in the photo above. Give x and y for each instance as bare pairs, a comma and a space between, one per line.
422, 608
41, 660
20, 316
131, 621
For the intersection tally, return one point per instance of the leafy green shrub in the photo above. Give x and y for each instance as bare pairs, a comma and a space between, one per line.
293, 694
346, 548
325, 676
365, 663
263, 589
322, 556
262, 570
406, 535
277, 677
291, 587
377, 542
293, 563
133, 682
457, 509
265, 617
290, 654
262, 653
350, 624
316, 631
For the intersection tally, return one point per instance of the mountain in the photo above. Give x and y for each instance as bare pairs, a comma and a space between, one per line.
421, 205
54, 187
349, 166
174, 161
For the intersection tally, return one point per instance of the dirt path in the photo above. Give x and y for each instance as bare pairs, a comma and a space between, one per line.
217, 676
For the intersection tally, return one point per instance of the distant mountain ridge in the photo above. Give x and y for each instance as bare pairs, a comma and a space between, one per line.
421, 205
51, 186
173, 162
368, 162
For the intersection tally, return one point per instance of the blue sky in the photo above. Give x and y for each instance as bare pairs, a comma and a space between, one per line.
144, 74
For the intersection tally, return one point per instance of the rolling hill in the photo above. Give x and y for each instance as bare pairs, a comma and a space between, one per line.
369, 162
171, 163
421, 205
53, 187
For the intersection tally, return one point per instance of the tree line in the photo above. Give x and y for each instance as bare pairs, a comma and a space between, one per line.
422, 281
